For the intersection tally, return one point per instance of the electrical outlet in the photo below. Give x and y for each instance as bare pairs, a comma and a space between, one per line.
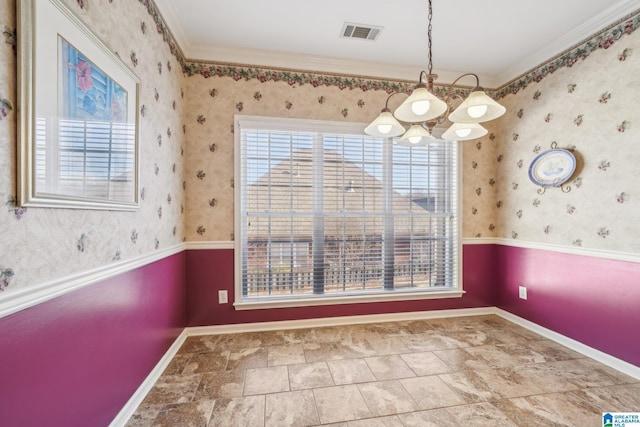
522, 292
223, 297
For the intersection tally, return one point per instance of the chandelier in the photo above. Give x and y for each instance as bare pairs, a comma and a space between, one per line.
423, 110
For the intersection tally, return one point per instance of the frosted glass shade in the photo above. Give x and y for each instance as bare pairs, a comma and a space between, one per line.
477, 108
421, 106
416, 135
385, 126
464, 132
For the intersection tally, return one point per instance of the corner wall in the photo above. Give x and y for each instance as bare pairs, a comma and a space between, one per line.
591, 300
585, 287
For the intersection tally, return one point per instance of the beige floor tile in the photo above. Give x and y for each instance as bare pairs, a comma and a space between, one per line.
350, 371
386, 398
475, 337
294, 409
564, 409
513, 334
309, 375
299, 336
584, 373
618, 398
340, 403
285, 355
199, 344
266, 380
426, 363
480, 415
221, 384
177, 364
432, 418
523, 413
173, 389
144, 416
502, 356
468, 371
460, 359
432, 340
387, 329
207, 362
448, 324
553, 352
239, 411
389, 367
250, 340
417, 326
191, 414
509, 382
248, 358
391, 421
470, 386
352, 350
320, 352
333, 334
389, 345
546, 377
431, 393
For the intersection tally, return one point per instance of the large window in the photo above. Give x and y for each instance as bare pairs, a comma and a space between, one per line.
324, 211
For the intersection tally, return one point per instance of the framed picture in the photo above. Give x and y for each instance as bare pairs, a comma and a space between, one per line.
78, 121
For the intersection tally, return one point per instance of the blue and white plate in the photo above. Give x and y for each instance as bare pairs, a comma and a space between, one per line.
552, 168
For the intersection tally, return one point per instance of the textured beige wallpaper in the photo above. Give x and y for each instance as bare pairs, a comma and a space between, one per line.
585, 100
209, 169
592, 108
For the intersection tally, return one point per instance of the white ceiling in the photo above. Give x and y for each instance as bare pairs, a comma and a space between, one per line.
496, 39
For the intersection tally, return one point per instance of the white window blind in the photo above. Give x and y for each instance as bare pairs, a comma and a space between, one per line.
324, 210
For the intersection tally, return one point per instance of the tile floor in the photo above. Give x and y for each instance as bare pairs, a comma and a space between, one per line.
469, 371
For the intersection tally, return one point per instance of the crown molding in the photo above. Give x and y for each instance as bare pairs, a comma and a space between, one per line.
577, 36
265, 59
167, 12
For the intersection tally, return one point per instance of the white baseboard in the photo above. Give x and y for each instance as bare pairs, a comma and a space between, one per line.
600, 356
336, 321
132, 404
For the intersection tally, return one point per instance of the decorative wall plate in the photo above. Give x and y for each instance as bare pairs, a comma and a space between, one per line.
552, 168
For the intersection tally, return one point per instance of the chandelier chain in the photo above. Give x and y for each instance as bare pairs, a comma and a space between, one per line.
430, 16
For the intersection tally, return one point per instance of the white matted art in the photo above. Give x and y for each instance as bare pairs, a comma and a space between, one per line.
78, 125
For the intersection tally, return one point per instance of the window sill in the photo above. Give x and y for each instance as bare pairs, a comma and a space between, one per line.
267, 303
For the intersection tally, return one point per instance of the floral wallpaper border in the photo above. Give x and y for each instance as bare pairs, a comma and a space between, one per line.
600, 40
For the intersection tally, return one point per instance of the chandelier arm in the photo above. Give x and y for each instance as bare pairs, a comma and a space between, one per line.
386, 104
477, 87
423, 77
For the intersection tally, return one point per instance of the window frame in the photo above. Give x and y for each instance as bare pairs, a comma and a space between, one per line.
308, 125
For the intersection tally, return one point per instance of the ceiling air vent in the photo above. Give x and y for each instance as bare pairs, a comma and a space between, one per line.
359, 31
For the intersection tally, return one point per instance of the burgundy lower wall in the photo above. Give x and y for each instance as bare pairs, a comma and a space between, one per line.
76, 360
211, 270
593, 300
